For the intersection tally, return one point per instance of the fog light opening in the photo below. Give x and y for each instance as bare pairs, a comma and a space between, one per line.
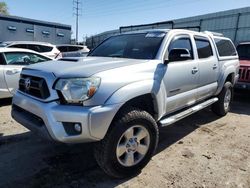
78, 127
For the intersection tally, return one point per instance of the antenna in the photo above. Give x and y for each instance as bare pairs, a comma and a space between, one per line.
77, 9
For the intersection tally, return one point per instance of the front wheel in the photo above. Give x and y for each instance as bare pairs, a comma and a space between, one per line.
222, 106
129, 145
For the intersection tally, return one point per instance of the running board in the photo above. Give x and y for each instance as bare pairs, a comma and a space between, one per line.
176, 117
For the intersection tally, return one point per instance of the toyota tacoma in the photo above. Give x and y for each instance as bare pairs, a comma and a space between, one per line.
125, 90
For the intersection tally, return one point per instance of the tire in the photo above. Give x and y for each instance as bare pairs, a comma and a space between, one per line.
222, 106
116, 161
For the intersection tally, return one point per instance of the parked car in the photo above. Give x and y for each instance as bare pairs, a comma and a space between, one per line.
12, 60
73, 50
44, 48
244, 72
125, 90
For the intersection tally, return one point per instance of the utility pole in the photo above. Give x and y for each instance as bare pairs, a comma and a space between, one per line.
77, 9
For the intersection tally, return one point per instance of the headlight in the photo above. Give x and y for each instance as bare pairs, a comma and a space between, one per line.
77, 90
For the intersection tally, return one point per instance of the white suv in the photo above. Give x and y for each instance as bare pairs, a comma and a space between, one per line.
68, 50
44, 48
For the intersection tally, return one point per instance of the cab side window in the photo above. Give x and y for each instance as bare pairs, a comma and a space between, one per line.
181, 43
204, 48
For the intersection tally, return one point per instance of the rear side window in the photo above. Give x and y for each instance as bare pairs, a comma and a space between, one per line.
45, 48
18, 46
62, 48
225, 47
73, 48
204, 48
34, 47
69, 48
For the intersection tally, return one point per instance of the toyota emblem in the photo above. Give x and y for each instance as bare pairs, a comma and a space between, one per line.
27, 83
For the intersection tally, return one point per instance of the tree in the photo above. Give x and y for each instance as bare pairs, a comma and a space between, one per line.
3, 8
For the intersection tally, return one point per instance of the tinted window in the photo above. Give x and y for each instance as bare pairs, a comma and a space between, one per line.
45, 48
204, 48
73, 48
62, 48
225, 47
18, 46
135, 46
2, 60
23, 58
183, 42
39, 48
244, 51
34, 47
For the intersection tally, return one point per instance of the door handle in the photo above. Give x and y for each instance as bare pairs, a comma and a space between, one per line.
215, 66
195, 70
14, 71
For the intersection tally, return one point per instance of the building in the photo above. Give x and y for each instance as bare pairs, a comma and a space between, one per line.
13, 28
234, 24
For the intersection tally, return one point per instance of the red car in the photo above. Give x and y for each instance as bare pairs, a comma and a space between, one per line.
244, 72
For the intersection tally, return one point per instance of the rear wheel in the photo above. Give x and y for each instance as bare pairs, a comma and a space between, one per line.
129, 145
222, 106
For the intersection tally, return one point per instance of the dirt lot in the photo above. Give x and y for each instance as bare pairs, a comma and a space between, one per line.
199, 151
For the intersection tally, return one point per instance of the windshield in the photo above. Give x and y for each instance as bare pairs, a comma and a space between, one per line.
134, 46
244, 51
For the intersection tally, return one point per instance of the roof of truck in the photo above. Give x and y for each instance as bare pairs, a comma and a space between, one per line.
168, 30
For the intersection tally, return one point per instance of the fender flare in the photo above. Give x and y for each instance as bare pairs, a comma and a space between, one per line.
222, 80
136, 89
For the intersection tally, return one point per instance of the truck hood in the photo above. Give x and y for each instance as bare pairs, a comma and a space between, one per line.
85, 67
245, 63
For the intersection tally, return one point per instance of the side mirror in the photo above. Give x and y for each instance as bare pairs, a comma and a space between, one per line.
178, 54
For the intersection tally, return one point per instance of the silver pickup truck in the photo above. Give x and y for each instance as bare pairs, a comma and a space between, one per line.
128, 87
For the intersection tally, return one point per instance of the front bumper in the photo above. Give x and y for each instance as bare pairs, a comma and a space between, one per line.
48, 119
242, 85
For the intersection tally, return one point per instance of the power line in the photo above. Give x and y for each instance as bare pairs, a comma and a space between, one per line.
115, 11
77, 11
119, 5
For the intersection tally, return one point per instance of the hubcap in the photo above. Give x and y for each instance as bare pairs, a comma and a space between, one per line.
227, 99
133, 145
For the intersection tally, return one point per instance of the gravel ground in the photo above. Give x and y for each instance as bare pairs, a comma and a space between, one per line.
202, 150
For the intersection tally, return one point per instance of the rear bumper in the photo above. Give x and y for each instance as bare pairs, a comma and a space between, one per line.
242, 85
49, 119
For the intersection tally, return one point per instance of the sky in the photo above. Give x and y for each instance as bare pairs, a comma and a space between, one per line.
102, 15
